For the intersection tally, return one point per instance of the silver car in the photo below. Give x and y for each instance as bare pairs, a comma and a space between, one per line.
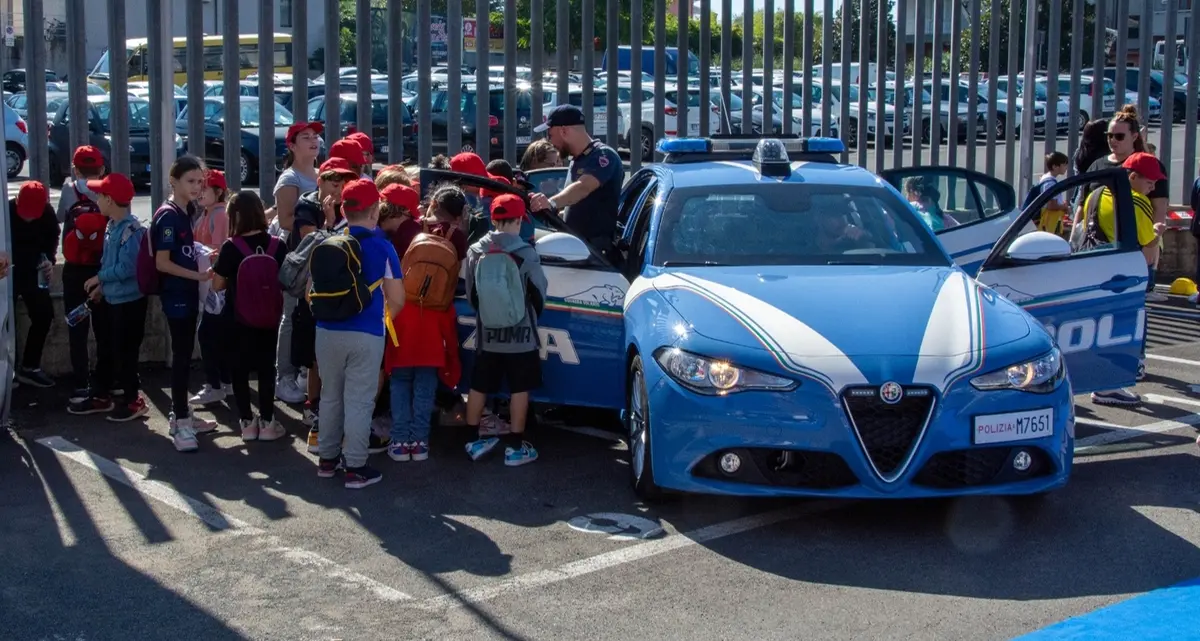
16, 137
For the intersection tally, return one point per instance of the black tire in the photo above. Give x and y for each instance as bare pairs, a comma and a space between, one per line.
641, 463
248, 168
14, 153
1083, 120
647, 144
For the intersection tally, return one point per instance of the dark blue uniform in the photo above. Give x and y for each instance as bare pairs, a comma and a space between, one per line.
595, 217
172, 231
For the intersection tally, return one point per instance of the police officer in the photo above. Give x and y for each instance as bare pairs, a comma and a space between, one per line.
590, 198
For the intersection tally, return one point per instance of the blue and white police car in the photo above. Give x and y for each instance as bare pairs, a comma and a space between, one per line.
776, 323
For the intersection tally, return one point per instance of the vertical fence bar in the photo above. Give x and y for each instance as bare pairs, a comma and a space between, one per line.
300, 59
1144, 53
483, 81
901, 43
681, 67
563, 19
537, 42
76, 73
881, 31
636, 132
935, 88
809, 54
161, 51
727, 62
864, 70
35, 89
844, 115
1169, 59
660, 76
611, 34
956, 17
1122, 57
747, 64
989, 160
395, 65
266, 102
1098, 59
118, 84
939, 23
425, 86
1031, 58
1073, 98
195, 78
454, 81
1190, 104
768, 65
1053, 49
789, 68
827, 67
363, 120
333, 62
587, 73
510, 81
973, 88
706, 105
1010, 118
231, 68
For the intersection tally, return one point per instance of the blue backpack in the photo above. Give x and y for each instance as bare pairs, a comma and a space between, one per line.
499, 289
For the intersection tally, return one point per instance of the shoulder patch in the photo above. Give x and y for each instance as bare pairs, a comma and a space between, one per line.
603, 160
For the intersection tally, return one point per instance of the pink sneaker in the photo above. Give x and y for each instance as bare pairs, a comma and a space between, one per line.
493, 425
203, 426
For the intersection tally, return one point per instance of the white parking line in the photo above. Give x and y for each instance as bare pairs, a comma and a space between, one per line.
217, 519
1172, 359
1117, 434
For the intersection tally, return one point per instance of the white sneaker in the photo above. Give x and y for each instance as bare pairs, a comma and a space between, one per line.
302, 381
309, 418
202, 426
1116, 397
272, 431
286, 391
209, 394
1156, 297
249, 428
182, 435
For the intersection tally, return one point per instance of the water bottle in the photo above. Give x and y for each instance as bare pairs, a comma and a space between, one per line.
79, 314
43, 279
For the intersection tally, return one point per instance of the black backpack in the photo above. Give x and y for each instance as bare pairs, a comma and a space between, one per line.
338, 291
1092, 236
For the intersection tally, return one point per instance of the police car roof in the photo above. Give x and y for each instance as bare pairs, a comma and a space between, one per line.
742, 171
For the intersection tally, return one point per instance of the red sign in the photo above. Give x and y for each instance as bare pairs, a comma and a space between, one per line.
495, 36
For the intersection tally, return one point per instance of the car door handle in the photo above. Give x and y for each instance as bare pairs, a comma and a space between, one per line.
1121, 282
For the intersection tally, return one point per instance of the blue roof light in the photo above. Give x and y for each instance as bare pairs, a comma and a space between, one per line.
825, 145
684, 146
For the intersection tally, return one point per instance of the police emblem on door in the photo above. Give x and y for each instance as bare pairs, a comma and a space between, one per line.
891, 392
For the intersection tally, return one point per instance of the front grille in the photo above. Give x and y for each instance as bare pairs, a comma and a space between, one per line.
889, 117
981, 466
888, 432
782, 468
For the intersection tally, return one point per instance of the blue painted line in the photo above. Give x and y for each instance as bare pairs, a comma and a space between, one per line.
1169, 613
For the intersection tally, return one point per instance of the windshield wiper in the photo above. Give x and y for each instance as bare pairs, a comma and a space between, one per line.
692, 263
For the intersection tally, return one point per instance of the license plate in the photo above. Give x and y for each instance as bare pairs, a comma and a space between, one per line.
694, 128
522, 140
1013, 426
383, 149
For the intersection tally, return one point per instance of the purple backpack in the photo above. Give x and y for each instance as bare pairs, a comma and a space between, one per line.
259, 299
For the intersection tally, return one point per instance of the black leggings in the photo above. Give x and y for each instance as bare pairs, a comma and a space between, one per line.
123, 347
256, 353
41, 313
183, 343
73, 278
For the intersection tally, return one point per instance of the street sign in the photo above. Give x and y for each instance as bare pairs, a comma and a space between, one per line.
495, 36
10, 36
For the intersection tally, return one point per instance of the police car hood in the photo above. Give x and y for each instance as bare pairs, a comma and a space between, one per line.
855, 312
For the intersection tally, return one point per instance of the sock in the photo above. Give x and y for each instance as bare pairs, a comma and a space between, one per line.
514, 440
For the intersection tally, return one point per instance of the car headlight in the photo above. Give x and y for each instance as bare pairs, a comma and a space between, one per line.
178, 141
716, 377
1040, 375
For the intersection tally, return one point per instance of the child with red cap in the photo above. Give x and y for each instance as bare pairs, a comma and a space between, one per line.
368, 149
35, 246
211, 229
351, 151
507, 288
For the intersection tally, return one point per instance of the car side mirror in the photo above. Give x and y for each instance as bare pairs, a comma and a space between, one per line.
1039, 245
562, 247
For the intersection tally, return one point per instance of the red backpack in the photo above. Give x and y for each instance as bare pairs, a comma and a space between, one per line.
258, 302
84, 242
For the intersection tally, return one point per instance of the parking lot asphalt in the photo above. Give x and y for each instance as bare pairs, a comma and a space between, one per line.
109, 533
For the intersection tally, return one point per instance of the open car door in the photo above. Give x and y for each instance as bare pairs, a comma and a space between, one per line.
581, 329
1092, 301
969, 212
548, 181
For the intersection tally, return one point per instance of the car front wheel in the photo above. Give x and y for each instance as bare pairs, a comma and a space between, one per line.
246, 168
15, 159
641, 463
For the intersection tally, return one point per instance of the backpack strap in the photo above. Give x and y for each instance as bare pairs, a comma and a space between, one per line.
242, 246
272, 246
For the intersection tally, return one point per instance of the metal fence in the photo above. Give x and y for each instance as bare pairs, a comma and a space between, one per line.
974, 46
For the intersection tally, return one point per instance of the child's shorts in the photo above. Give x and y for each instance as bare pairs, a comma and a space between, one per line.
522, 372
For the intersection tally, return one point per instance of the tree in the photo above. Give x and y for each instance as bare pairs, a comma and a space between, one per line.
873, 54
574, 23
983, 34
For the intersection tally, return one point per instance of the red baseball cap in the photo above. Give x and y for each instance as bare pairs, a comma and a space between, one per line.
298, 127
88, 157
115, 186
340, 165
215, 178
348, 149
358, 195
487, 193
364, 141
1145, 165
508, 207
402, 196
469, 163
32, 200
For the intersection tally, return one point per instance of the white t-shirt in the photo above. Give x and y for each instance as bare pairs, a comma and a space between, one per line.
1048, 181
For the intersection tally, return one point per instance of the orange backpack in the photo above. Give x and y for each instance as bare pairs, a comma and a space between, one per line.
430, 267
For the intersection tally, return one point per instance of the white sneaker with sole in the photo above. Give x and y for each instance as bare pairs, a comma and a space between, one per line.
249, 429
286, 391
272, 431
1116, 397
209, 394
182, 434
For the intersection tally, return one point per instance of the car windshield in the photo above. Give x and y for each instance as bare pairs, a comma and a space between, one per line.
793, 224
139, 114
252, 118
379, 112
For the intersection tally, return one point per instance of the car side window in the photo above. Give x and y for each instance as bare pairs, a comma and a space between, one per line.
630, 198
640, 239
946, 198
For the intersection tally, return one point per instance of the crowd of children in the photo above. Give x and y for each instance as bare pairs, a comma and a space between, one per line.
340, 296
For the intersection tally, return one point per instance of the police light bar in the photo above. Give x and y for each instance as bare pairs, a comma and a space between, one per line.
684, 146
824, 145
771, 158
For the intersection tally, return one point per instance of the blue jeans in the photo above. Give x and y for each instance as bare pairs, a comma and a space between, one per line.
413, 390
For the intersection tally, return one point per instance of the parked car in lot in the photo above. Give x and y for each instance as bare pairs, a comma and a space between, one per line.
14, 80
142, 89
16, 142
348, 117
249, 119
439, 118
99, 136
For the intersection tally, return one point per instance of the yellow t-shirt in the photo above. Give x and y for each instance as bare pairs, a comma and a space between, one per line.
1106, 216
